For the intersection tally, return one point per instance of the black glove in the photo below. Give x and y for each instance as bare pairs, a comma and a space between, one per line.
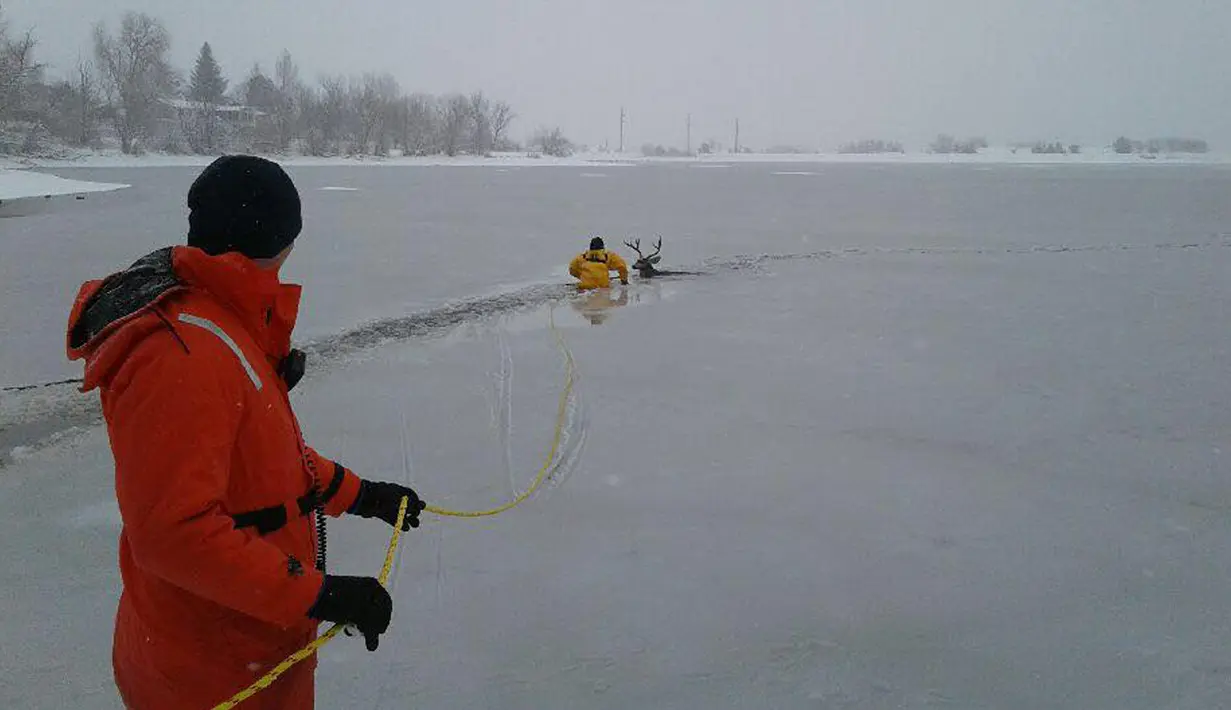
292, 368
360, 601
378, 499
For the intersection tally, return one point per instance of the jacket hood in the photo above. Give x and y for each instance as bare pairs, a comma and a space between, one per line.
103, 306
110, 316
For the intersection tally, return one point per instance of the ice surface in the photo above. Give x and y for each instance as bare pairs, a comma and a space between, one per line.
948, 467
413, 239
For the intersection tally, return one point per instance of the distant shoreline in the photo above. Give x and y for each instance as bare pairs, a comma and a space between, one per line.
991, 156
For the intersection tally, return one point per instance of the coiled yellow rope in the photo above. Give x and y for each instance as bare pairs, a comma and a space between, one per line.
558, 434
570, 377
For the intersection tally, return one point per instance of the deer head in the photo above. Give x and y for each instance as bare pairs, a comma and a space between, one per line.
645, 264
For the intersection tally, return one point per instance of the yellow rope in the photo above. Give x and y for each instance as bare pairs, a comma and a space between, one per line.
269, 678
561, 417
570, 377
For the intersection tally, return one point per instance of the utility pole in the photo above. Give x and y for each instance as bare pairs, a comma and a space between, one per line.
621, 129
737, 136
689, 151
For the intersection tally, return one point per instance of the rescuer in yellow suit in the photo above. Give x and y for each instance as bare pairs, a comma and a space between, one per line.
592, 268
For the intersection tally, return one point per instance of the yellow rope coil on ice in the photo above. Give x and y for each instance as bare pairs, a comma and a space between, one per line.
558, 434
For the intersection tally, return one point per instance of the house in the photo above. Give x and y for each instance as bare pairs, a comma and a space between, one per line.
236, 116
180, 124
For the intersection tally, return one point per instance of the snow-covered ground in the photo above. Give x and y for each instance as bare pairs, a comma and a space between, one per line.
23, 191
916, 464
115, 159
990, 156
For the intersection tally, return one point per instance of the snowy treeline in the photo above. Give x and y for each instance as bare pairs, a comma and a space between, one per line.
128, 94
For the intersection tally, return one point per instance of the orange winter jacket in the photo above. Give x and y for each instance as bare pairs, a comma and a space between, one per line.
215, 485
593, 268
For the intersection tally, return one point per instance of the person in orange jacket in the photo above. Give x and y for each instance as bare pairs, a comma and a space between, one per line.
592, 268
222, 550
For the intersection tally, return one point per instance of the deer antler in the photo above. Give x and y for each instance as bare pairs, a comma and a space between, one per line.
658, 247
635, 246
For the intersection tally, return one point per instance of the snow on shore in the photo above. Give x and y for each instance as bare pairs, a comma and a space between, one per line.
991, 156
23, 184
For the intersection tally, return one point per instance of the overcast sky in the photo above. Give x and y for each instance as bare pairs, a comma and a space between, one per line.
814, 72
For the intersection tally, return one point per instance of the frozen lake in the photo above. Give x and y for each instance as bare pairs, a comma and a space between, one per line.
919, 436
401, 240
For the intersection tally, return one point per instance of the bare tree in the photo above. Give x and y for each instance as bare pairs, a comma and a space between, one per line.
392, 111
18, 72
364, 113
552, 142
371, 98
87, 105
480, 124
455, 119
135, 66
388, 95
311, 120
419, 125
333, 116
73, 107
24, 99
286, 78
501, 117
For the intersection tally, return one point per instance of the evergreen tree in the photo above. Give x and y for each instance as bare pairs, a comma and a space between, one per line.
208, 85
260, 91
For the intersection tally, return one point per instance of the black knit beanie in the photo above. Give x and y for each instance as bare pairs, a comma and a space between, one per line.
245, 204
596, 244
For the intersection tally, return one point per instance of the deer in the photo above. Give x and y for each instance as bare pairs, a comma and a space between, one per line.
645, 265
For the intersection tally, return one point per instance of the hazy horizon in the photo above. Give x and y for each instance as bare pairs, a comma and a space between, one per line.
794, 72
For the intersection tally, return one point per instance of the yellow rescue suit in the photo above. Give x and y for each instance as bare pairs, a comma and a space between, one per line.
593, 268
